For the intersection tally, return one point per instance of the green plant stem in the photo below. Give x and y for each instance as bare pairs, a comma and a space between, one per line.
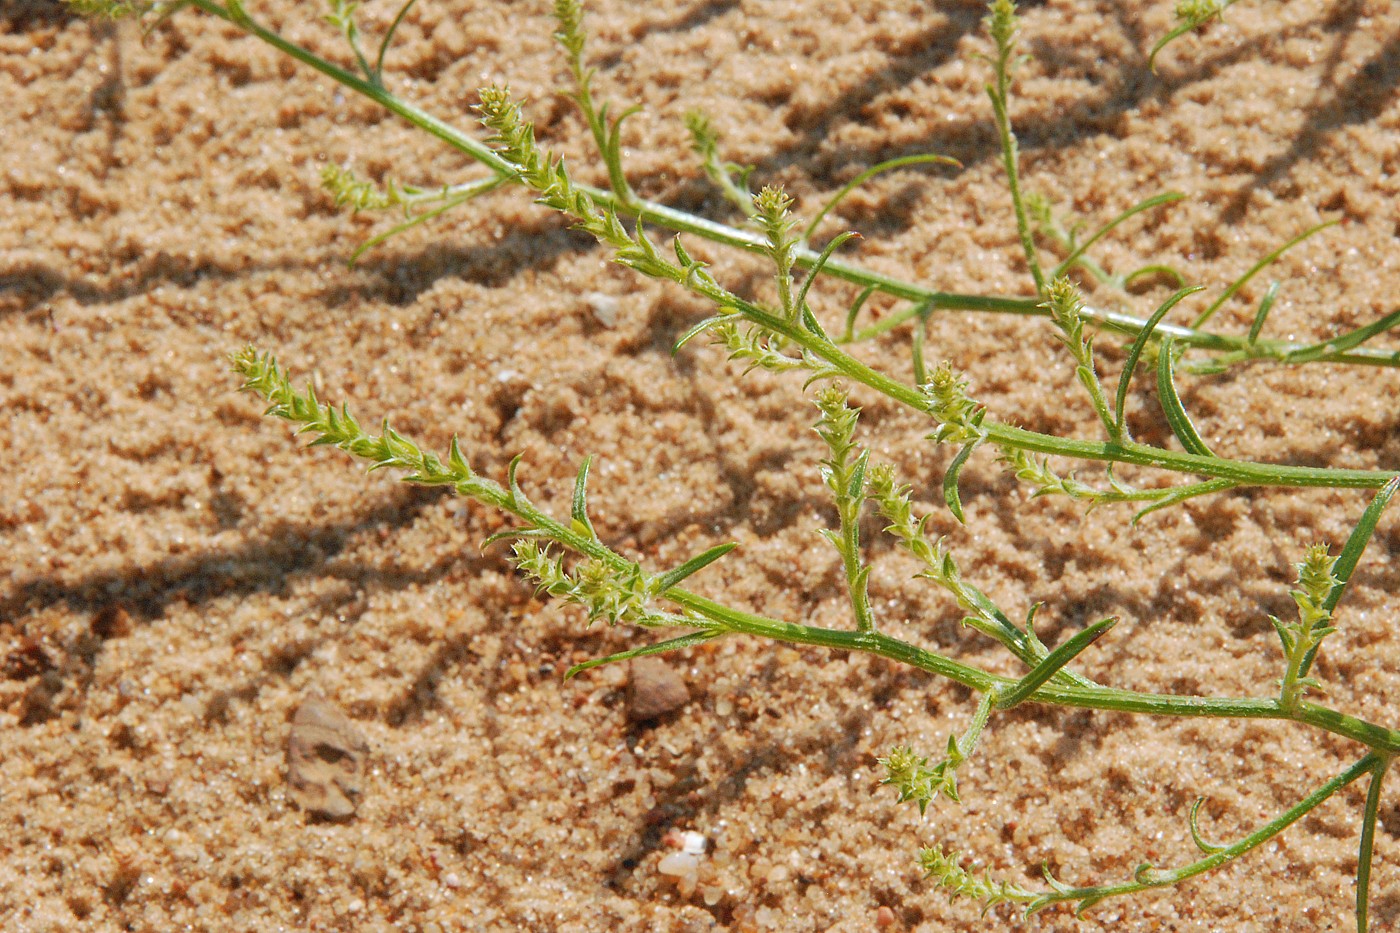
1003, 28
1243, 473
338, 428
660, 215
635, 250
1149, 877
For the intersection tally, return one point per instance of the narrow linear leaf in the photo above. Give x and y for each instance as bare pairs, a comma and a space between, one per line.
1367, 847
388, 40
854, 311
696, 330
1139, 344
1356, 543
816, 269
1206, 847
672, 644
1053, 663
1145, 205
514, 534
810, 321
950, 480
1265, 306
855, 489
1345, 342
517, 494
916, 351
1180, 422
579, 510
1177, 31
1161, 269
697, 563
1258, 267
1182, 493
870, 173
464, 196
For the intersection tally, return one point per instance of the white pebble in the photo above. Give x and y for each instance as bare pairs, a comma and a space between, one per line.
604, 307
679, 864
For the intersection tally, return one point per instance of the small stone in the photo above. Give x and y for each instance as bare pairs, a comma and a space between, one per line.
884, 917
604, 307
325, 758
678, 865
654, 689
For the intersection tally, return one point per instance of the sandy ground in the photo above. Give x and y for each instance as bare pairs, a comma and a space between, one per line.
179, 575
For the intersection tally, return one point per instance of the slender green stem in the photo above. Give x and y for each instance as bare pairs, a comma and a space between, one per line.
659, 215
1148, 877
339, 428
1003, 28
1240, 472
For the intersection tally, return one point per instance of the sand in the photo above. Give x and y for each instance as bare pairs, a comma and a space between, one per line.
180, 575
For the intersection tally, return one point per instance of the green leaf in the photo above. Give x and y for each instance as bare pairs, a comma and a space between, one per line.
579, 511
388, 40
863, 177
1254, 270
1054, 661
1343, 343
1265, 306
1356, 543
1180, 422
1370, 817
699, 562
950, 480
697, 329
854, 311
1135, 351
817, 266
673, 644
1206, 847
1155, 201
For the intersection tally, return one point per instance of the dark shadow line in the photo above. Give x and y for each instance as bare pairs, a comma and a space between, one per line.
263, 565
18, 16
396, 278
1361, 99
701, 14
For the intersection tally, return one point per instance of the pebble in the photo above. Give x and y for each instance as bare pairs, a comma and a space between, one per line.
325, 758
654, 689
604, 307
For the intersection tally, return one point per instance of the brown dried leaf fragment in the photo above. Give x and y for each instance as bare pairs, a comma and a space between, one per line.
325, 759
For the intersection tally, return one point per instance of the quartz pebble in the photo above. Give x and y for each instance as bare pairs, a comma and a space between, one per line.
604, 307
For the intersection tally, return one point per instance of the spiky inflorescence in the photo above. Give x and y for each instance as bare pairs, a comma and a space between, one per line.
113, 9
1301, 639
959, 417
349, 190
915, 780
1197, 12
602, 591
514, 138
947, 871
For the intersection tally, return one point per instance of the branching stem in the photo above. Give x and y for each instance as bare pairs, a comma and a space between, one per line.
660, 215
